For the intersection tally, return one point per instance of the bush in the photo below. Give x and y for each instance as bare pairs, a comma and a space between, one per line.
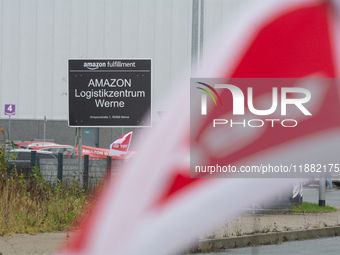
34, 205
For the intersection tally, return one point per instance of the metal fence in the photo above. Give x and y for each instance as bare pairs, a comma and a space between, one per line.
66, 170
62, 170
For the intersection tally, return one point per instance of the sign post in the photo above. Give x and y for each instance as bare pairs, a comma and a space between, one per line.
45, 120
9, 110
80, 152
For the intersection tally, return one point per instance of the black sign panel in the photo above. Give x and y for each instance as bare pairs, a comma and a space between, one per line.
109, 92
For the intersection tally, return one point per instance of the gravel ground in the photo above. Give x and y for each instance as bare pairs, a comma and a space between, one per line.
22, 244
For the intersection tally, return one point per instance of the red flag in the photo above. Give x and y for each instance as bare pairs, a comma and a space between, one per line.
155, 207
121, 145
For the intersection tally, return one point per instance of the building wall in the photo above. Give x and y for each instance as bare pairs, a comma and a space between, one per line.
26, 130
38, 36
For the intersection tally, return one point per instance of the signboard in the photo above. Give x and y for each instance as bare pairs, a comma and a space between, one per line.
109, 92
9, 109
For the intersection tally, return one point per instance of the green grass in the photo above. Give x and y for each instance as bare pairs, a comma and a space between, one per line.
306, 207
34, 205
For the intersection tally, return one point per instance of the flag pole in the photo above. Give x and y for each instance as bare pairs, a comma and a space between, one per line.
322, 192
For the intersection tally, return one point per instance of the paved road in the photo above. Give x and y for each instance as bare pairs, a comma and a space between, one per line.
20, 244
329, 246
311, 194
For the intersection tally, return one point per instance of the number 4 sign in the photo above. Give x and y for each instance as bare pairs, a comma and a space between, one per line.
9, 109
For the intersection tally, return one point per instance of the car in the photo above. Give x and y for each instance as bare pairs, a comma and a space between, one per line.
20, 159
66, 150
36, 146
32, 144
335, 180
307, 181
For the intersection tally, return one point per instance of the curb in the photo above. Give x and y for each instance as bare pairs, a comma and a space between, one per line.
269, 238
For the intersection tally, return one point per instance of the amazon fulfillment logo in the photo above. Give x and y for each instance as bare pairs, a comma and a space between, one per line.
94, 65
109, 64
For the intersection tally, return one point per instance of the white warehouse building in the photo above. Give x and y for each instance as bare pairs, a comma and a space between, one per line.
39, 36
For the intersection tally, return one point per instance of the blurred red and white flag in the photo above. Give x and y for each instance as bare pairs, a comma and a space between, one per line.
121, 145
154, 207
